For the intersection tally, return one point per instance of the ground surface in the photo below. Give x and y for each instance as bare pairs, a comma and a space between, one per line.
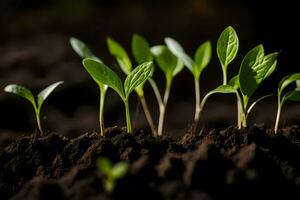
230, 164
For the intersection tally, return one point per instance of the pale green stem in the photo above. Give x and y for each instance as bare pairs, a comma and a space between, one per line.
128, 120
279, 107
156, 91
224, 74
38, 120
162, 108
197, 102
101, 110
147, 114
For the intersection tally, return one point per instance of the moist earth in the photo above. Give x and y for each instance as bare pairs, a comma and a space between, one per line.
252, 163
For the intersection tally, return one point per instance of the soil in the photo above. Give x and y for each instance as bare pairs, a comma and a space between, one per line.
220, 164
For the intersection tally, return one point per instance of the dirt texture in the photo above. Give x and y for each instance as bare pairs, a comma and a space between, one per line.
252, 163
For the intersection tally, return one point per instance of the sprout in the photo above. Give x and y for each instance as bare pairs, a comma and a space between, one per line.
293, 95
84, 52
171, 66
141, 52
104, 75
201, 59
112, 172
36, 102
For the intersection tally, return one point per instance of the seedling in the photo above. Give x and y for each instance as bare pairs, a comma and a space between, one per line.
36, 102
112, 172
201, 60
171, 66
105, 76
141, 52
84, 52
293, 95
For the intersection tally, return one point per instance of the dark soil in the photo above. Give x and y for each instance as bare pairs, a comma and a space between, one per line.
249, 164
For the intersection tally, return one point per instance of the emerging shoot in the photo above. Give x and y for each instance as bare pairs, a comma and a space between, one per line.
84, 52
104, 75
112, 172
36, 102
293, 95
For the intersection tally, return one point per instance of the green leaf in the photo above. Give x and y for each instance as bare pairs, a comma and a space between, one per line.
119, 170
137, 77
227, 46
104, 75
179, 67
298, 84
178, 51
118, 51
82, 49
22, 92
292, 95
288, 80
42, 96
202, 58
254, 69
165, 59
104, 165
224, 89
141, 49
234, 82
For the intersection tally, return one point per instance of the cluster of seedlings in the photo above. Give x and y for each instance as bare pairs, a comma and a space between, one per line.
171, 58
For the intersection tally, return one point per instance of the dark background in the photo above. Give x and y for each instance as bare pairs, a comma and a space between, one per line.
35, 52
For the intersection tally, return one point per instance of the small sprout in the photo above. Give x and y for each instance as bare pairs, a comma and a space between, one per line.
36, 102
171, 66
293, 95
112, 172
201, 60
84, 52
141, 52
227, 48
104, 75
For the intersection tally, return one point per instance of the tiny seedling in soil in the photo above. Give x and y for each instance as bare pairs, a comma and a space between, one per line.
105, 76
112, 172
84, 52
293, 95
202, 58
36, 102
141, 52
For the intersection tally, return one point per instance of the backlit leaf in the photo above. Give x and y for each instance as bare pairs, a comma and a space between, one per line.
141, 49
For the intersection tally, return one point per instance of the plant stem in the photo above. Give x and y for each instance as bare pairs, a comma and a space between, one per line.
156, 91
40, 130
279, 106
197, 102
147, 114
224, 74
162, 108
101, 110
128, 120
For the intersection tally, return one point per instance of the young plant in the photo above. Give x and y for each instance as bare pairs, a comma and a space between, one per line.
171, 66
104, 75
201, 60
227, 48
36, 102
141, 52
112, 172
293, 95
254, 69
84, 52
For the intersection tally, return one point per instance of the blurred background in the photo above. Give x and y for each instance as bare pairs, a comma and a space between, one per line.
35, 52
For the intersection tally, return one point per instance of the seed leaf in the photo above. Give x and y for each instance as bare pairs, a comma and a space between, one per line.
137, 77
202, 58
42, 96
104, 165
288, 80
103, 75
82, 49
255, 67
141, 49
227, 46
22, 92
165, 59
178, 51
122, 58
225, 89
119, 170
234, 82
292, 95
